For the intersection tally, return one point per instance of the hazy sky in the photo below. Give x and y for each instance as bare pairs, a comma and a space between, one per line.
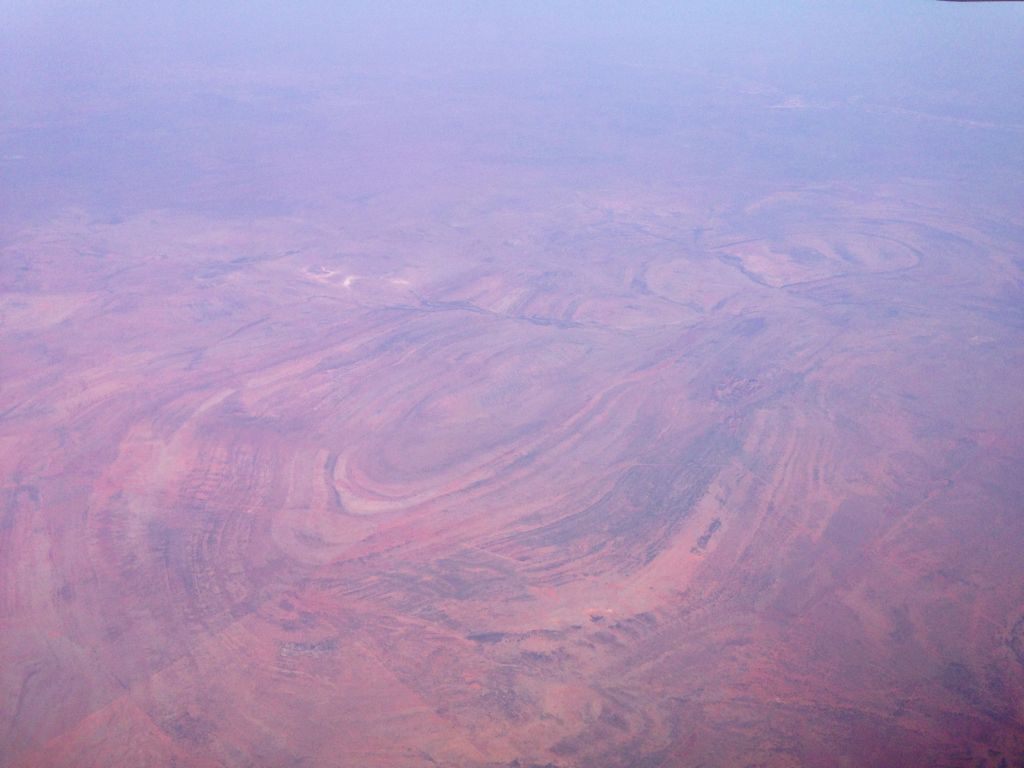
150, 105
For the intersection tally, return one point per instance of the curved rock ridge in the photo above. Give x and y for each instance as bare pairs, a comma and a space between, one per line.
707, 492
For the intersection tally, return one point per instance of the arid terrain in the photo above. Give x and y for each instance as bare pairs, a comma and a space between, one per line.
428, 445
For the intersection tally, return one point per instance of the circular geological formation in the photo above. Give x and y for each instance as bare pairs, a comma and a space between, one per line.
495, 385
454, 420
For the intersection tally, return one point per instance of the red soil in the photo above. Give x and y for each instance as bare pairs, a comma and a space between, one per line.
625, 485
